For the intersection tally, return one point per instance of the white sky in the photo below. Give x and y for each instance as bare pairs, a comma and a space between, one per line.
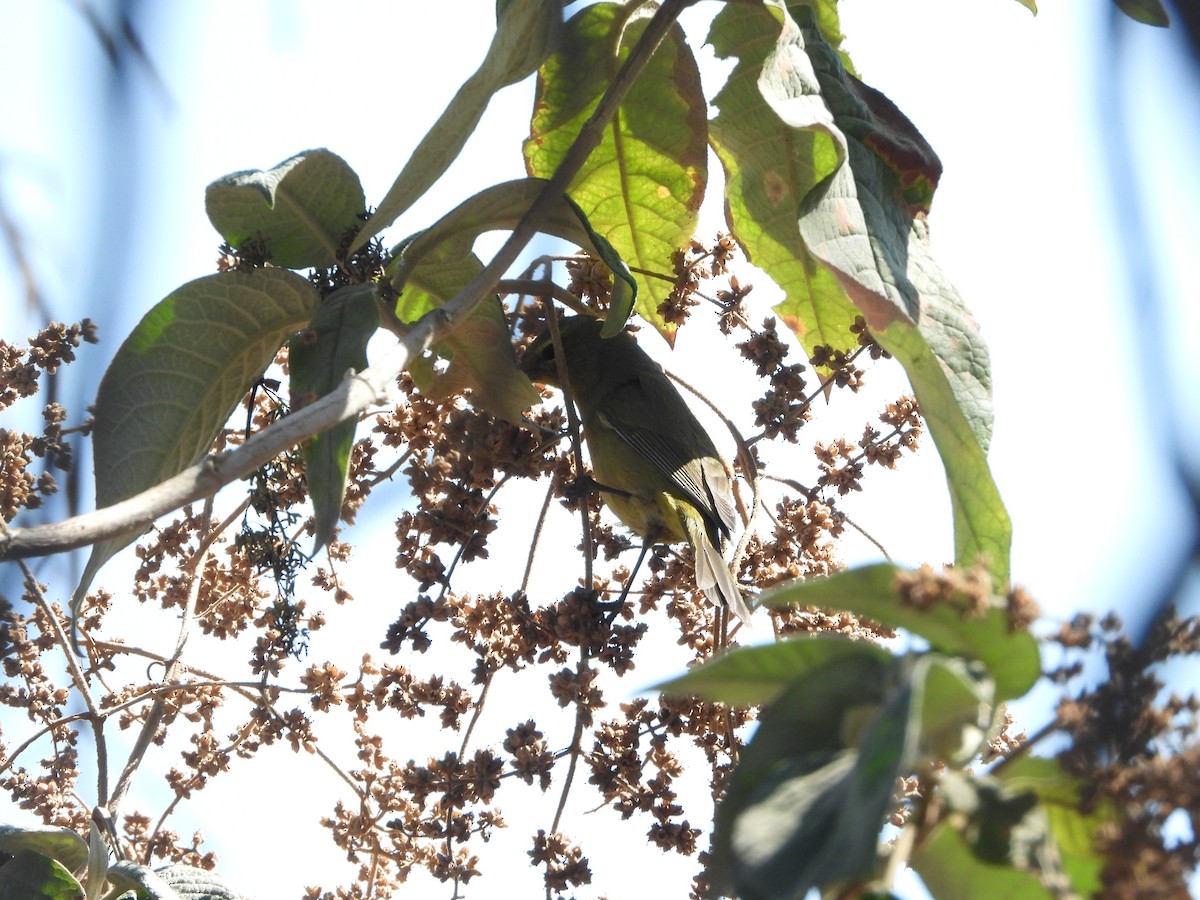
1022, 223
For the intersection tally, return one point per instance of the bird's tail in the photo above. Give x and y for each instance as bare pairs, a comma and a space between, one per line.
712, 573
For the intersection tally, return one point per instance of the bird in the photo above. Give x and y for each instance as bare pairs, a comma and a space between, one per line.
655, 464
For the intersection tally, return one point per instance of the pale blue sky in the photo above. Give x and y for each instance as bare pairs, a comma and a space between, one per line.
109, 199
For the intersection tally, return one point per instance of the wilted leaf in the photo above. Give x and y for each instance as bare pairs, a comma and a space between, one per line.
863, 176
769, 168
500, 208
479, 350
437, 263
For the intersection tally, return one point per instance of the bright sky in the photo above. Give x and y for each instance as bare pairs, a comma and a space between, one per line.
1023, 223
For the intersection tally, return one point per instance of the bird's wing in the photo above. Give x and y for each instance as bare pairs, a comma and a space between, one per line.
665, 441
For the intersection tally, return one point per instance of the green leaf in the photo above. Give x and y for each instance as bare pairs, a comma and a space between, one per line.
1002, 829
803, 808
62, 844
1011, 658
949, 869
301, 210
148, 885
826, 13
982, 528
952, 707
806, 804
479, 350
643, 185
31, 876
624, 290
863, 220
500, 208
174, 882
527, 31
334, 343
177, 378
1148, 12
1074, 831
482, 360
749, 676
97, 864
434, 265
769, 168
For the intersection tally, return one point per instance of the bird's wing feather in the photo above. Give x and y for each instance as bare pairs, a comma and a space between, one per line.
664, 440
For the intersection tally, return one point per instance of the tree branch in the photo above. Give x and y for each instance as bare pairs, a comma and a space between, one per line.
355, 395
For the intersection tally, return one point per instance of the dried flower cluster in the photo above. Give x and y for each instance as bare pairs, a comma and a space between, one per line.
20, 373
1135, 751
969, 591
240, 579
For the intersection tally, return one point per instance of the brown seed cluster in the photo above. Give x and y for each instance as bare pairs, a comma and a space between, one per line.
1135, 751
590, 279
693, 265
22, 485
969, 590
406, 812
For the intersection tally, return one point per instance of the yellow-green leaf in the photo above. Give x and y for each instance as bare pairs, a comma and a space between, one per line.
642, 186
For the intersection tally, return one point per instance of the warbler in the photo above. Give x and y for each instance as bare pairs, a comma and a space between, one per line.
656, 466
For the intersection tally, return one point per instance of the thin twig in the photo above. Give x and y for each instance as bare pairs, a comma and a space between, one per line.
541, 287
537, 534
902, 848
462, 548
487, 686
94, 715
358, 392
250, 691
821, 388
386, 474
47, 728
171, 669
814, 496
575, 751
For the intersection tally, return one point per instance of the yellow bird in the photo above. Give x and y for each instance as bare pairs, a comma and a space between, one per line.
656, 465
